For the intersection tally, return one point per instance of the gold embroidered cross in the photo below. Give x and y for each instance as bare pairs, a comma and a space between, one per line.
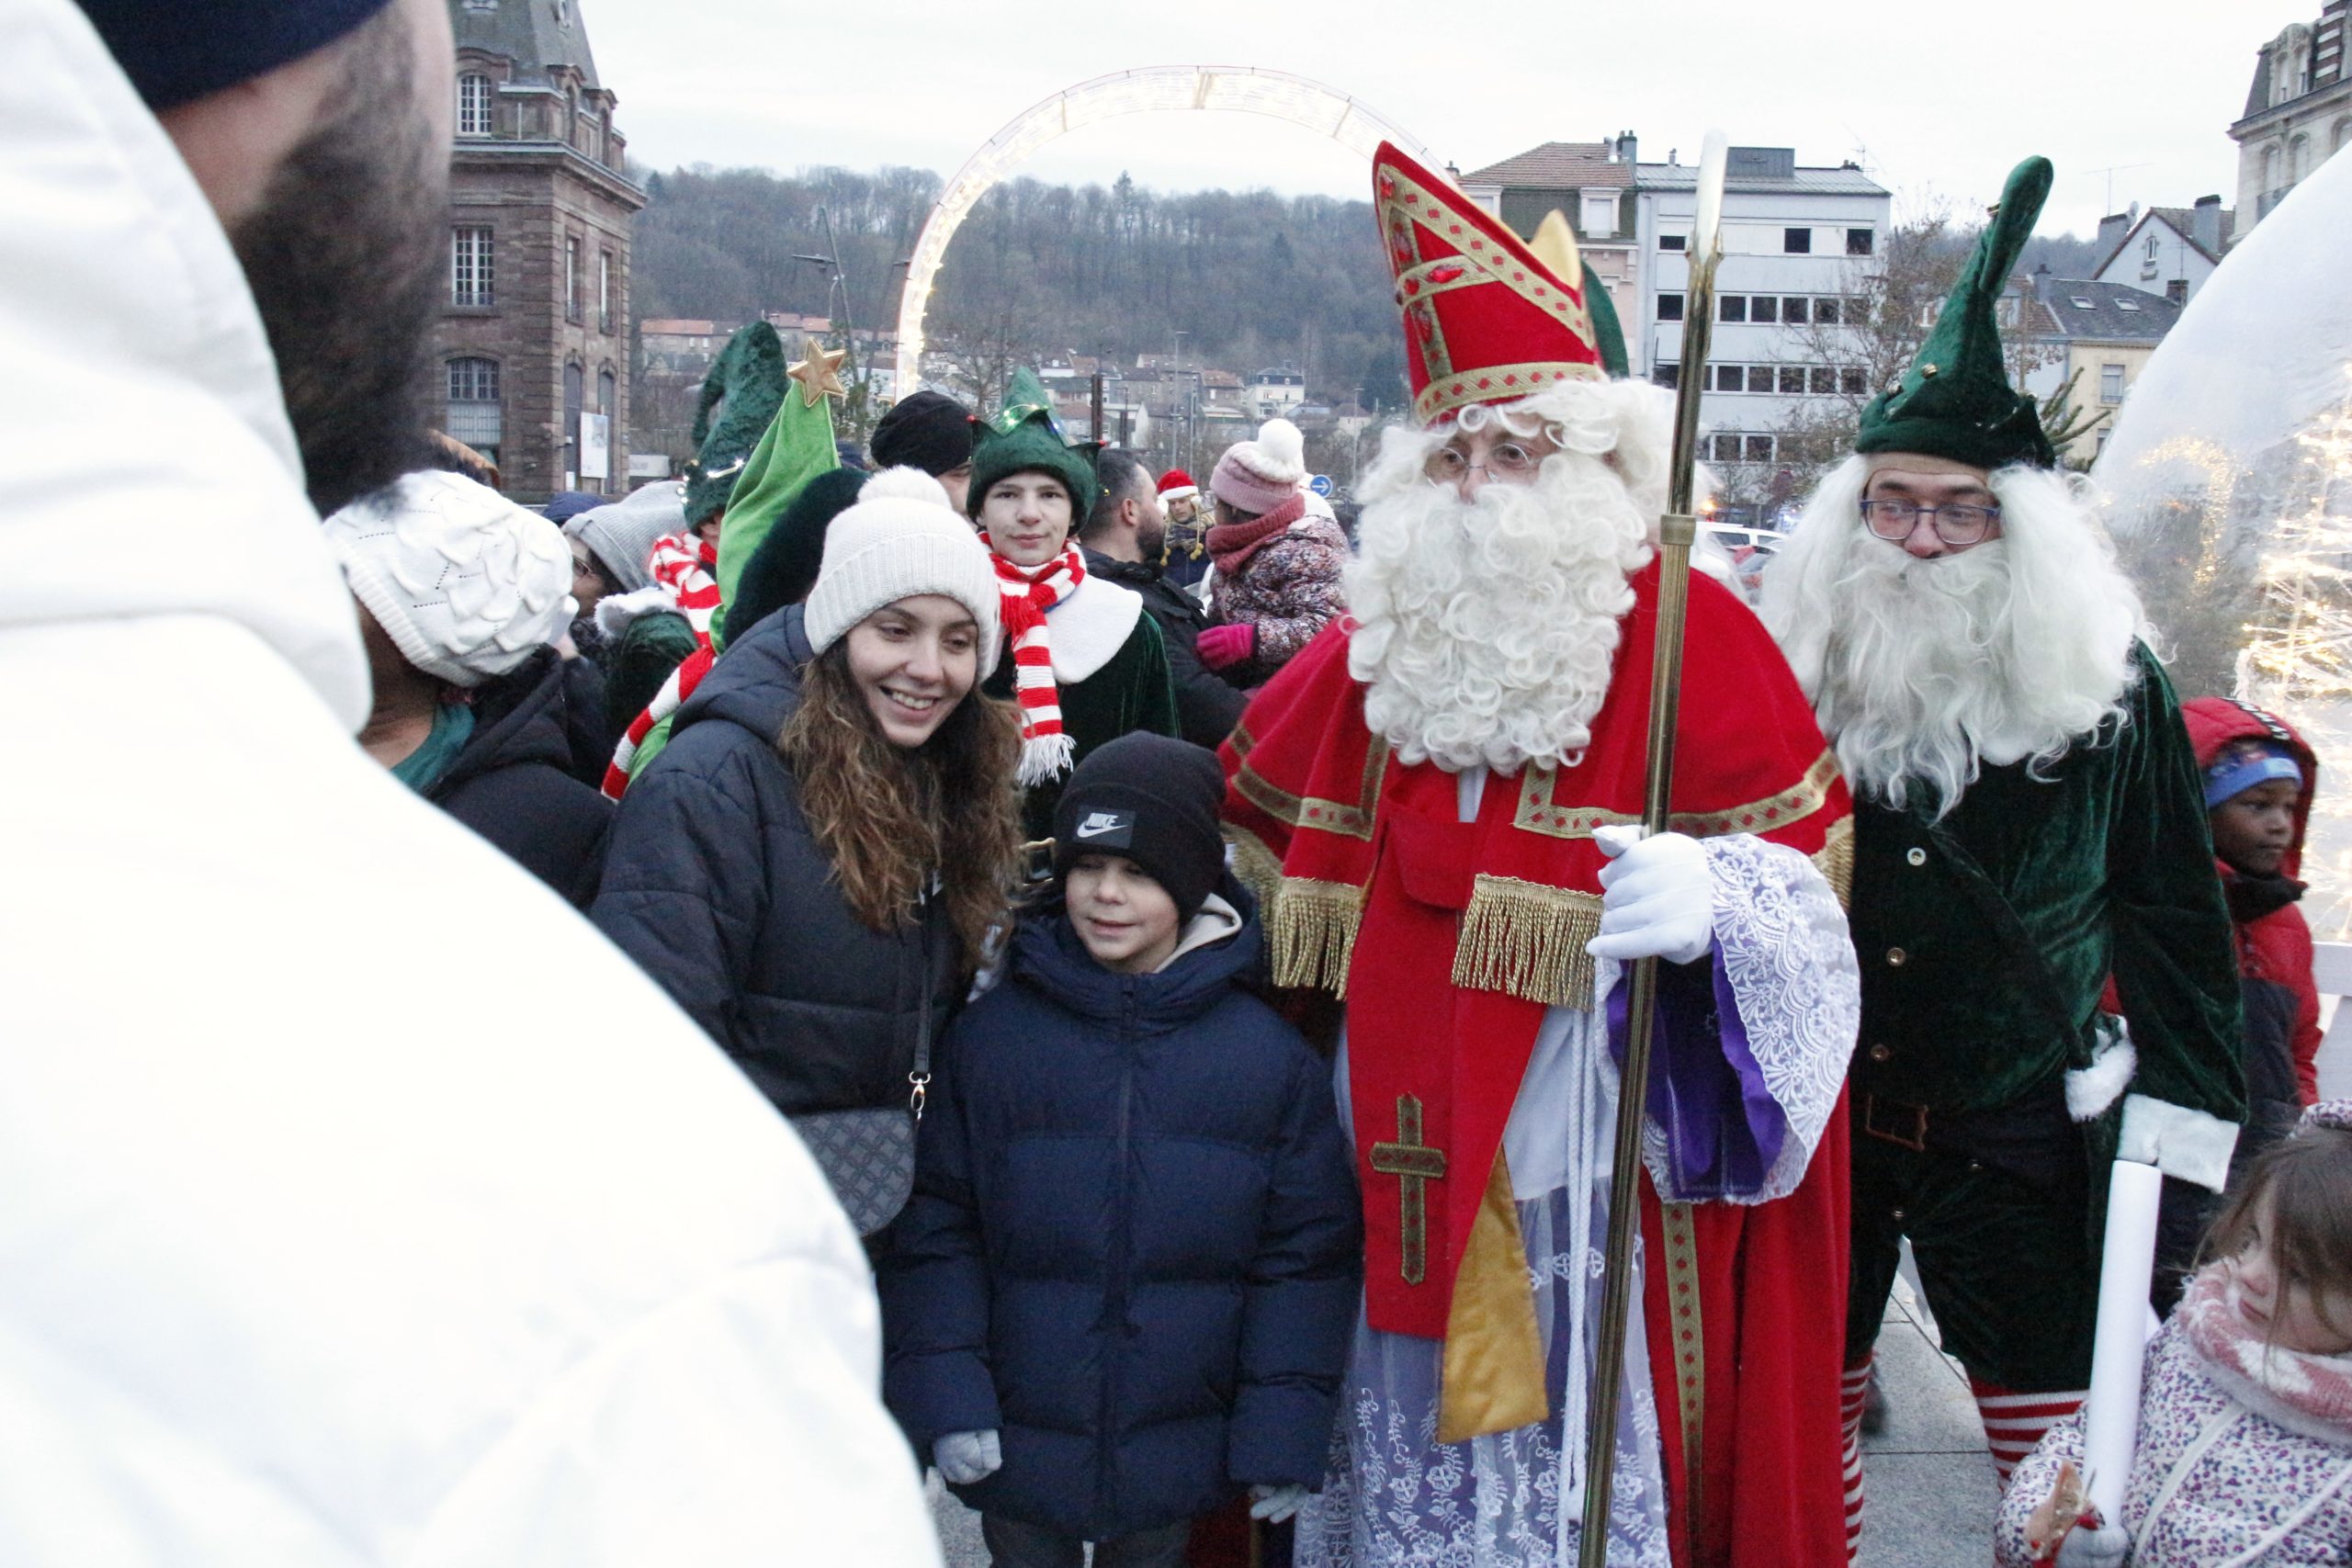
1413, 1164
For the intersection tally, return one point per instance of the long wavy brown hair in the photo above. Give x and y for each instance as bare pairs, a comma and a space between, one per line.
889, 820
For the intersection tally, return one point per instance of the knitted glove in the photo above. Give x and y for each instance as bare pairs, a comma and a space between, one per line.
1221, 647
2086, 1547
966, 1457
1657, 898
1275, 1504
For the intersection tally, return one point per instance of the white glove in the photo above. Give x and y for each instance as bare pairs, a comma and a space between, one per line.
966, 1457
2100, 1548
1275, 1504
1657, 898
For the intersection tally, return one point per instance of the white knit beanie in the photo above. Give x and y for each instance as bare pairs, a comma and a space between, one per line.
465, 582
900, 539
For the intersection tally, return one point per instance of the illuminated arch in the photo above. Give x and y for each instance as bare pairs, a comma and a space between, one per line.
1233, 89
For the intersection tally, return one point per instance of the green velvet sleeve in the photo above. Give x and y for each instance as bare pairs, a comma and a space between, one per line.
1151, 701
2175, 960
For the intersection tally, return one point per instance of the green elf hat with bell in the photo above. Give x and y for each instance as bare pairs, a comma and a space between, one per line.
1956, 401
1024, 437
745, 386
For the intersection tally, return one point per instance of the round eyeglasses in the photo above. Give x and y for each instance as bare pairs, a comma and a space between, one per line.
1892, 518
1512, 462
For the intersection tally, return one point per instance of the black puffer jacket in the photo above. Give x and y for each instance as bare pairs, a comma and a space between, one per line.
513, 782
716, 888
1207, 704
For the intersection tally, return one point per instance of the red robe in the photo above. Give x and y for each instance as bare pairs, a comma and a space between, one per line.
1459, 936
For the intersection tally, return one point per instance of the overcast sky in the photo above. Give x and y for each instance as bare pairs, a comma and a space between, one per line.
1934, 101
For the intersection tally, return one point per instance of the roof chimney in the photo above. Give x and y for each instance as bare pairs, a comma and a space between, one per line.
2112, 229
2205, 224
1629, 149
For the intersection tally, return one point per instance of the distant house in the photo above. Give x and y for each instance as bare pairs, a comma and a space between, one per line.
1588, 183
2105, 333
2298, 112
2169, 250
1278, 390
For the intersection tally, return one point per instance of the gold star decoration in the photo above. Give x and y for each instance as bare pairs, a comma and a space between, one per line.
820, 374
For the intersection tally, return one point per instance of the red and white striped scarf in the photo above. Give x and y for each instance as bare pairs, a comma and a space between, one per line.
667, 701
1046, 749
688, 567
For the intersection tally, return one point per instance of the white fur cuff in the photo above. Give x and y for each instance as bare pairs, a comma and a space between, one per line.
2177, 1141
2090, 1090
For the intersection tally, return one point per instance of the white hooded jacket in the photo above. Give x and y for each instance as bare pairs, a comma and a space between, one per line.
358, 1202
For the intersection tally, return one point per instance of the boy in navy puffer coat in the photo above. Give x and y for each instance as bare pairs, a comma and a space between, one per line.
1123, 1289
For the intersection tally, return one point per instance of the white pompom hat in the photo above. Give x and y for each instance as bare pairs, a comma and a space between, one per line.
900, 539
1258, 476
465, 582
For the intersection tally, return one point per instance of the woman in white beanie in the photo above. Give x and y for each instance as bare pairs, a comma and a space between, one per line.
1274, 582
812, 865
460, 594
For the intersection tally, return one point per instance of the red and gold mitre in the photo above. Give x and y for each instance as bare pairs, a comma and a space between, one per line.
1485, 320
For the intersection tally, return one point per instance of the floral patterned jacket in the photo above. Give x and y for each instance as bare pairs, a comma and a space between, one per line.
1289, 589
2236, 1465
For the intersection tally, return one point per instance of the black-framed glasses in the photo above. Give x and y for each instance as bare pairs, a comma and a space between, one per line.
1892, 517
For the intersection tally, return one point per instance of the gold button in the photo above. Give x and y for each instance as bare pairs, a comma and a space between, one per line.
1917, 857
1896, 957
1926, 370
1881, 1052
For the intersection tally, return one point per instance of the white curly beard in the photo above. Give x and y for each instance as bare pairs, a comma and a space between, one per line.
1486, 631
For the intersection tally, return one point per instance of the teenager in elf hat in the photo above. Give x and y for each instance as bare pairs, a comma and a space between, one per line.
1276, 579
1084, 664
812, 862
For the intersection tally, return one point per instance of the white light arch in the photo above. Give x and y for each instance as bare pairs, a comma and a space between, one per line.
1234, 89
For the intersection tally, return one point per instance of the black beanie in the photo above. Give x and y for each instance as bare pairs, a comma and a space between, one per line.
1154, 800
930, 430
784, 568
176, 51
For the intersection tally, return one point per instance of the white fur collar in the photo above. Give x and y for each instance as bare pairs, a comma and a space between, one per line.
1089, 627
615, 612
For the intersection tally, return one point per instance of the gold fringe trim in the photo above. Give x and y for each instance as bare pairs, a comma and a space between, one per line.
1313, 927
1256, 867
1526, 939
1834, 861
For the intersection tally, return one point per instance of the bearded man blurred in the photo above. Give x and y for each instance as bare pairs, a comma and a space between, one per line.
1437, 803
2029, 822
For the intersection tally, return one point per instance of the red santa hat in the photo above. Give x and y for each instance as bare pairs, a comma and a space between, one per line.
1485, 320
1177, 485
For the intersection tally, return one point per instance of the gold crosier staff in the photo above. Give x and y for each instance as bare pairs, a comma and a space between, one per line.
1676, 531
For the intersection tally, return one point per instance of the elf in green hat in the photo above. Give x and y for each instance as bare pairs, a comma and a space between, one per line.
1085, 664
2028, 825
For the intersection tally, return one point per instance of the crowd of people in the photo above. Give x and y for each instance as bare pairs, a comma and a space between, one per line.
629, 1030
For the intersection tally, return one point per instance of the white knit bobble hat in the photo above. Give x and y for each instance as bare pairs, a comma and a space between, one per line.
465, 582
901, 539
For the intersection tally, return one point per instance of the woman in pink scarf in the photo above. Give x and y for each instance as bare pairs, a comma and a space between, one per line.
1275, 581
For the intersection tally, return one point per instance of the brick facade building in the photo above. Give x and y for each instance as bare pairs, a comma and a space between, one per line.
532, 341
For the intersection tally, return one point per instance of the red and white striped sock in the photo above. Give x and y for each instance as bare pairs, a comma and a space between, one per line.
1853, 1390
2014, 1422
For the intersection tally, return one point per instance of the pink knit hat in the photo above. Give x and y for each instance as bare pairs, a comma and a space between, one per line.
1258, 476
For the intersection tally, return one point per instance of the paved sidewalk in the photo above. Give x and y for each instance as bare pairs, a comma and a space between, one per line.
1927, 1478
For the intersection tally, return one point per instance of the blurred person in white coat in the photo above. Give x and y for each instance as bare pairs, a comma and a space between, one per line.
333, 1230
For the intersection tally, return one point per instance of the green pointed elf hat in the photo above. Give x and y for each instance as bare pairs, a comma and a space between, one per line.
797, 448
749, 374
1023, 436
1956, 401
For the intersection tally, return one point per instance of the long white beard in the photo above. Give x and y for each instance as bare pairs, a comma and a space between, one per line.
1922, 672
1486, 630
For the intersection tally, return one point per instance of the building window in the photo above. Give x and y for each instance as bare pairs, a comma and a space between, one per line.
1850, 381
2298, 158
1669, 306
1673, 242
1857, 242
1792, 309
473, 105
1732, 307
571, 278
1601, 214
1764, 308
1724, 448
1825, 313
572, 378
2178, 292
1668, 376
2110, 383
473, 412
1792, 378
1731, 378
2123, 304
1759, 450
1822, 381
472, 277
2340, 136
1796, 241
2151, 248
604, 291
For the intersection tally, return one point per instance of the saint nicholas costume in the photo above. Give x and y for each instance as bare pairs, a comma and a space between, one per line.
1449, 913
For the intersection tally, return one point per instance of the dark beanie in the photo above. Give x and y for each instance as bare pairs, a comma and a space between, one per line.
1153, 800
930, 430
784, 568
176, 51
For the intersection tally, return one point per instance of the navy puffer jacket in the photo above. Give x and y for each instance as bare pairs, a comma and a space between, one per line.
1133, 1248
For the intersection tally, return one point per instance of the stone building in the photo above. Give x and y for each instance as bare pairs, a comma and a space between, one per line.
2298, 112
533, 346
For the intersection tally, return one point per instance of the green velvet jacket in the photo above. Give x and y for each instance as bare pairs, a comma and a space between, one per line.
2108, 863
1130, 693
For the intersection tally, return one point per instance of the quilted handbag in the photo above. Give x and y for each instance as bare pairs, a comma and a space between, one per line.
868, 1155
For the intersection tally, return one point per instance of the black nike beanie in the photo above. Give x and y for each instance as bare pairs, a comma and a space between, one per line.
1154, 800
